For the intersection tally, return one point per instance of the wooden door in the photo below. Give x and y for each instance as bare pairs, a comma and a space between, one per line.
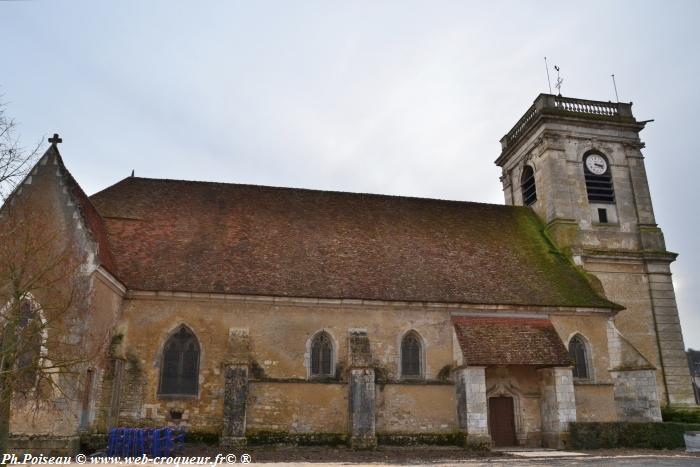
502, 421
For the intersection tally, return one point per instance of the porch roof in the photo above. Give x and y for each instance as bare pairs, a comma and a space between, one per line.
510, 341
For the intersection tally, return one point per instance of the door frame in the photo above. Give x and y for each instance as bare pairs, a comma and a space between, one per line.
490, 415
509, 390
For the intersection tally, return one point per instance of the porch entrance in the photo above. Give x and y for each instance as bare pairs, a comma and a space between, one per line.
502, 421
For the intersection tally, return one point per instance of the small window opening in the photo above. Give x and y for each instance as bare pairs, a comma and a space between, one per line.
411, 366
321, 355
527, 185
603, 215
176, 414
579, 354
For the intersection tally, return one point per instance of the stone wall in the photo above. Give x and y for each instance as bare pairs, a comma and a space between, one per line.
635, 396
558, 407
48, 445
282, 398
279, 335
80, 302
298, 407
472, 404
673, 357
416, 408
593, 328
362, 408
595, 402
628, 254
628, 284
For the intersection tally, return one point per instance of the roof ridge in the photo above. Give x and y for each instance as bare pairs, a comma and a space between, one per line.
310, 190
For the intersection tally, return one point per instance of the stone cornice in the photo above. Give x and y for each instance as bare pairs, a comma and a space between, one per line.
360, 304
111, 281
579, 112
626, 255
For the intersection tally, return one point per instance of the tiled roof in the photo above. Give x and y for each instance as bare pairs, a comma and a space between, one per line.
172, 235
91, 217
509, 341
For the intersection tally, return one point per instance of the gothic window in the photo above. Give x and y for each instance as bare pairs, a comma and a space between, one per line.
598, 177
527, 185
28, 341
321, 355
411, 350
579, 354
179, 374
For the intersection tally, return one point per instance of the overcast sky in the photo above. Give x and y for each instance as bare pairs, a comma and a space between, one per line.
393, 97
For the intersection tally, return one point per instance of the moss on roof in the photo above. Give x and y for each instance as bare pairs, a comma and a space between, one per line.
227, 238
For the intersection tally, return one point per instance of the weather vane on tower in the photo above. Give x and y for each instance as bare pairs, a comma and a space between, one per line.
559, 80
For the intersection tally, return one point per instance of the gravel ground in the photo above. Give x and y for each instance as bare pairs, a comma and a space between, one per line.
386, 455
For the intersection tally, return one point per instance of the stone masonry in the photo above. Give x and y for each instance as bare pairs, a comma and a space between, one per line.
235, 395
626, 254
635, 396
236, 370
669, 333
362, 391
472, 406
558, 406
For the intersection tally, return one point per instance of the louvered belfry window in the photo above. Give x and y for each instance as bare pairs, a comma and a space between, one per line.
577, 351
411, 356
599, 187
180, 371
321, 355
527, 185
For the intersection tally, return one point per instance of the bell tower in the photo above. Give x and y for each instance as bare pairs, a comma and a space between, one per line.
578, 164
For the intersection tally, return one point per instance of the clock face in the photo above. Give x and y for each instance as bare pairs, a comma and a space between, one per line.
596, 164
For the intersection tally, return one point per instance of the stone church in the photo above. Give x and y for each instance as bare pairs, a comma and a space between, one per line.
238, 309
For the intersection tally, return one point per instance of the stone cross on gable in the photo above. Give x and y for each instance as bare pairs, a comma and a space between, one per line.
55, 139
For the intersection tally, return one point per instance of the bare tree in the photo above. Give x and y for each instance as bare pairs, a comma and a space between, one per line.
44, 335
42, 315
15, 160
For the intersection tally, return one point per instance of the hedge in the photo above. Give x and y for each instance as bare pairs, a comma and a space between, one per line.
672, 414
202, 437
413, 439
263, 437
595, 435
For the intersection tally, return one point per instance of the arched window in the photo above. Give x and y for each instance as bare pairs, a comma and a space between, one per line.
527, 185
411, 356
321, 355
179, 374
28, 342
598, 176
579, 354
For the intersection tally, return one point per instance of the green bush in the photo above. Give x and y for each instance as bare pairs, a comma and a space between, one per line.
91, 442
263, 437
671, 414
413, 439
202, 437
594, 435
